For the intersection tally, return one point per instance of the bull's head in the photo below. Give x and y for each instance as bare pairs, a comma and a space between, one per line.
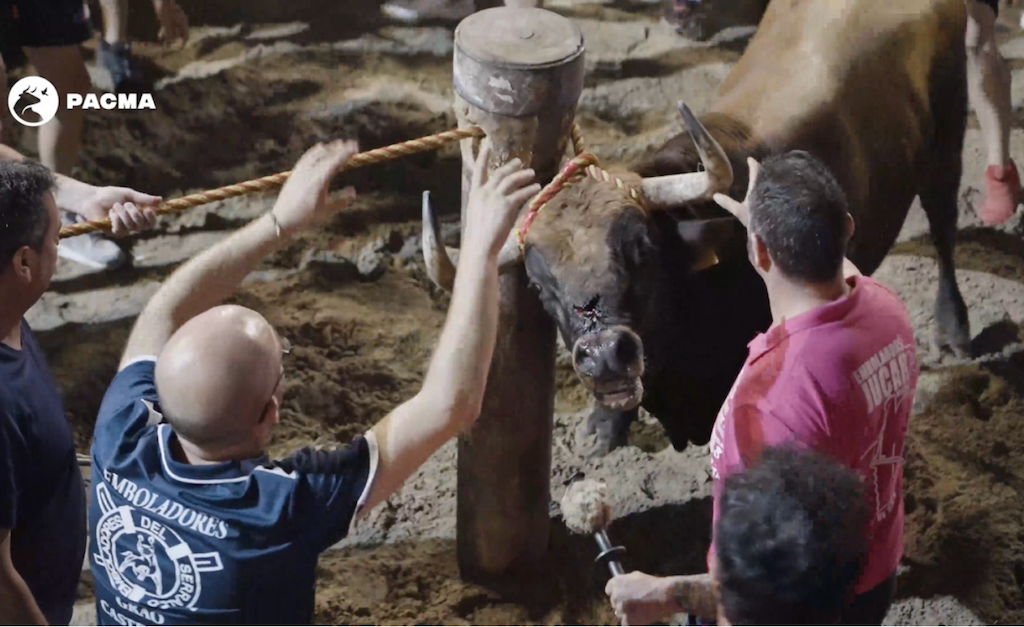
594, 255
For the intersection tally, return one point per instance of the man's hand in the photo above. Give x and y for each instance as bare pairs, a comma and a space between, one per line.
740, 210
495, 200
303, 202
640, 599
173, 21
129, 211
453, 389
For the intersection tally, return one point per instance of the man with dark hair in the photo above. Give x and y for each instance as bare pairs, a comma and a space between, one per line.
42, 497
836, 372
802, 219
791, 544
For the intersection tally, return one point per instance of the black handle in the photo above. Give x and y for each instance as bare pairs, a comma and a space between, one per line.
608, 552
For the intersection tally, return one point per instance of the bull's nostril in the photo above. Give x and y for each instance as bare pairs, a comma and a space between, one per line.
579, 355
625, 349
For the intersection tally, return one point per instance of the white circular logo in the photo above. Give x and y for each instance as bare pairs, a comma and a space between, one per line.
33, 101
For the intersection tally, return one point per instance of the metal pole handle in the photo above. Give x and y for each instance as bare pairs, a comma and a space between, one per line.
608, 552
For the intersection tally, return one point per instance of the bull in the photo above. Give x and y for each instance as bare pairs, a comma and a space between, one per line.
657, 304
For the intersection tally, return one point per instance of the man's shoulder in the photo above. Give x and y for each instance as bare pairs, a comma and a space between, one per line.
883, 296
130, 407
313, 461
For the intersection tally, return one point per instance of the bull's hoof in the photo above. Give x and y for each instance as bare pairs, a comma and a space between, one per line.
953, 331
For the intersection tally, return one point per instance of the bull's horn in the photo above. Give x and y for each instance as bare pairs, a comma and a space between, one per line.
440, 268
438, 259
680, 189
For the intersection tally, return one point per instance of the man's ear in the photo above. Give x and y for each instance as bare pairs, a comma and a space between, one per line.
708, 239
271, 412
758, 254
22, 262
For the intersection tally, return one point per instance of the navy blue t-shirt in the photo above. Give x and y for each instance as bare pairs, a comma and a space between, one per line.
42, 497
229, 543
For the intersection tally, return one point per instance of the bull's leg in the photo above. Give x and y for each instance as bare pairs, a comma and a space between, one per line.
939, 200
611, 428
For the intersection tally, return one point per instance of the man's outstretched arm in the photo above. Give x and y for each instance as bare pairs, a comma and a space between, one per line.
210, 277
129, 211
641, 599
453, 389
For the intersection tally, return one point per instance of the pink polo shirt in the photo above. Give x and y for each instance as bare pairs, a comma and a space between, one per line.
839, 379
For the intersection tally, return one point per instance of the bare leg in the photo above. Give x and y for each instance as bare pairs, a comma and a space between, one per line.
59, 141
60, 138
115, 20
988, 82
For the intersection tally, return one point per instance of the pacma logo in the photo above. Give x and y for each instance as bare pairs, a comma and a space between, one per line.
111, 101
34, 101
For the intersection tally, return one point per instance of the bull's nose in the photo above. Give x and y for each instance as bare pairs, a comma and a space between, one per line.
623, 349
584, 360
609, 355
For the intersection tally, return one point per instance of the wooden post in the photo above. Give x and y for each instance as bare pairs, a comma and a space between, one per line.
518, 74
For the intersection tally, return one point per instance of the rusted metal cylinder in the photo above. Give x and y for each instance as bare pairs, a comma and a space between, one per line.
518, 74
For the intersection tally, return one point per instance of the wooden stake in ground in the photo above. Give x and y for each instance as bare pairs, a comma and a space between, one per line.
518, 74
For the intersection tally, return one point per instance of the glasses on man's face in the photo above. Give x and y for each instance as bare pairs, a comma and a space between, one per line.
286, 348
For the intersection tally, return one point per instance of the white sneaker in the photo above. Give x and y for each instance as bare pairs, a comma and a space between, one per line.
91, 249
416, 11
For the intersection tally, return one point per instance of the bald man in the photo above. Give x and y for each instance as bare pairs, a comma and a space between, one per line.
190, 522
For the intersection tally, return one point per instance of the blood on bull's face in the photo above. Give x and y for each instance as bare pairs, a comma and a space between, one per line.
595, 254
591, 258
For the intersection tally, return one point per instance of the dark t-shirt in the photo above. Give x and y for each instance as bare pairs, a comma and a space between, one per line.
42, 497
230, 543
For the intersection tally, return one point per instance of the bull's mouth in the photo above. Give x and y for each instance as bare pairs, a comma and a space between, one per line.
620, 395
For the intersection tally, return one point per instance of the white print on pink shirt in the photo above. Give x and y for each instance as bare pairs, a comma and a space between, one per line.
716, 446
887, 375
887, 383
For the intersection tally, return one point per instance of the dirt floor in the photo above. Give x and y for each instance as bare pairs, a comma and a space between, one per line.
255, 86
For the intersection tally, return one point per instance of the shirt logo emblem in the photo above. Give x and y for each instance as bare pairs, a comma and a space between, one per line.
146, 561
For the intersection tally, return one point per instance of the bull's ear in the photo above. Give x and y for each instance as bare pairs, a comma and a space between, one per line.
631, 238
707, 239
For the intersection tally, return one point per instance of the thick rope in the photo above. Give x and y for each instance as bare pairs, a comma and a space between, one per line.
583, 163
387, 153
561, 181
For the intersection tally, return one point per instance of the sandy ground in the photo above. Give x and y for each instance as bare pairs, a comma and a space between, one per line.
253, 89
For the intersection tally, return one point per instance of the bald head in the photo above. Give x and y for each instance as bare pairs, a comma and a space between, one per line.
216, 375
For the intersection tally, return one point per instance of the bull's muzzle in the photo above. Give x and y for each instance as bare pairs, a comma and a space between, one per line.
611, 363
